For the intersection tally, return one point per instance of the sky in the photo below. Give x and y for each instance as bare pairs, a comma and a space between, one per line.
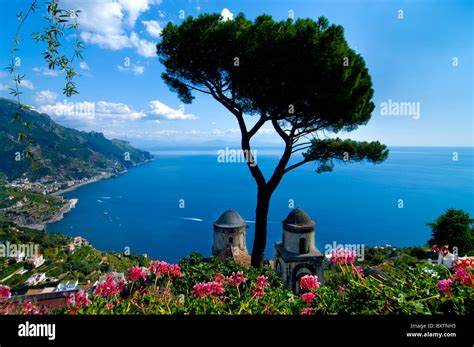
419, 54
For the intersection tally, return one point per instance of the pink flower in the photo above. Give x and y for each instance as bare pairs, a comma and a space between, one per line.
220, 278
445, 286
5, 293
262, 282
109, 305
341, 289
111, 286
258, 292
309, 282
175, 270
136, 273
159, 267
236, 279
163, 268
308, 297
444, 249
342, 256
358, 270
78, 299
308, 311
208, 289
463, 277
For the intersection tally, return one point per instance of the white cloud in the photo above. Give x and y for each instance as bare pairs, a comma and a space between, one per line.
152, 27
46, 72
70, 111
144, 48
135, 68
10, 83
134, 8
226, 14
161, 110
45, 97
98, 113
107, 23
27, 84
83, 66
117, 111
110, 41
138, 70
116, 119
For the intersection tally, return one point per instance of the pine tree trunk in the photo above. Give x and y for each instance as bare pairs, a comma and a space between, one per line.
260, 239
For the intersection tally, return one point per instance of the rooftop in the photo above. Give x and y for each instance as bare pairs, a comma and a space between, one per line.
230, 219
298, 217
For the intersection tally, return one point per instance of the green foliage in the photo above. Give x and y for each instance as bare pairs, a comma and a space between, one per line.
327, 150
267, 66
406, 289
454, 228
410, 290
86, 263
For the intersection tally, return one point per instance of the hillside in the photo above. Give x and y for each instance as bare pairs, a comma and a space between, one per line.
62, 152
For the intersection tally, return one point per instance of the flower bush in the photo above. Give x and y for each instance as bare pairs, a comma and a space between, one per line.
209, 286
403, 290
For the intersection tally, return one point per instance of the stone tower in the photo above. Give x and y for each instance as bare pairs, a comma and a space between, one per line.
297, 255
229, 234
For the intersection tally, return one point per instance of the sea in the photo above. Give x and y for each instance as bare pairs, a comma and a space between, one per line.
166, 208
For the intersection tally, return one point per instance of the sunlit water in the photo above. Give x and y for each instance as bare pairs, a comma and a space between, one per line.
357, 203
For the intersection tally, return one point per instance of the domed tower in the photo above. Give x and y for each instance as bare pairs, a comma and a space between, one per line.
297, 255
229, 233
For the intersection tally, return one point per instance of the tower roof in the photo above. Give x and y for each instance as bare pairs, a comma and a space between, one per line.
230, 219
298, 217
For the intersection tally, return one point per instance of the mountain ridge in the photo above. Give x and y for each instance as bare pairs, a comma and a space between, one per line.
64, 153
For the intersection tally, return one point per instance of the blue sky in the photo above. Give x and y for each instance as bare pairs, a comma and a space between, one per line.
410, 61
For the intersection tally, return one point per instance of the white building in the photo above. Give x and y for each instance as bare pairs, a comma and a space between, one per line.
36, 260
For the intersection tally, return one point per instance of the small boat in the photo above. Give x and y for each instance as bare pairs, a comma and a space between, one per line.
106, 213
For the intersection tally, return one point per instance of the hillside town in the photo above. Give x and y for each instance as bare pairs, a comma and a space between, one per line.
49, 185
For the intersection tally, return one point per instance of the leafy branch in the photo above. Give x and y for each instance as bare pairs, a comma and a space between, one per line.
60, 21
17, 78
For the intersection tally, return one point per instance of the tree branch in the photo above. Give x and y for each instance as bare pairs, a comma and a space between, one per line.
263, 119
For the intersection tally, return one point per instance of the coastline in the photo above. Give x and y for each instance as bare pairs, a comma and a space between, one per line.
96, 179
72, 202
92, 180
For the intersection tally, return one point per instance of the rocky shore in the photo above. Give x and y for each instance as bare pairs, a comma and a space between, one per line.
59, 215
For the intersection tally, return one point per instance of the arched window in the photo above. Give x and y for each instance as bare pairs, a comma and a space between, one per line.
231, 240
278, 266
303, 249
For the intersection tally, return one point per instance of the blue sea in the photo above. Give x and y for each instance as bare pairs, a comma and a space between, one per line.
356, 203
